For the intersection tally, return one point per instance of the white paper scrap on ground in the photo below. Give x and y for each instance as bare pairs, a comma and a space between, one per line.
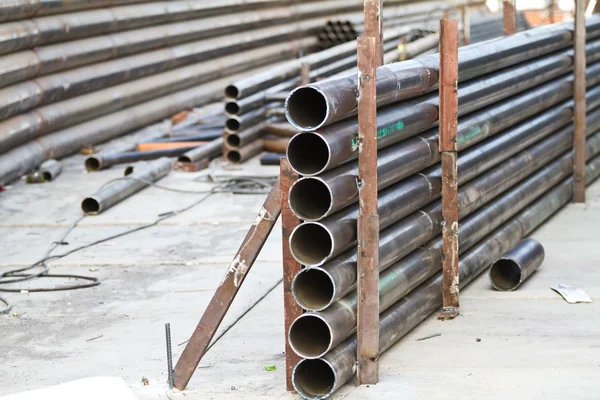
96, 388
572, 294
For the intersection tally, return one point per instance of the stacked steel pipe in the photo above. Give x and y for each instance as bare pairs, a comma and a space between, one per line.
515, 134
74, 72
484, 26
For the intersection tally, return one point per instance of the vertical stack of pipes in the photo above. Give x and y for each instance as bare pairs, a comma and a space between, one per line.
79, 73
515, 136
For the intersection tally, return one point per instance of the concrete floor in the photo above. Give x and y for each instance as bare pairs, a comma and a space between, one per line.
533, 344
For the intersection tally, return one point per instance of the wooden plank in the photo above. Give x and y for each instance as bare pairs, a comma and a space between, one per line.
291, 267
509, 16
579, 83
448, 147
368, 219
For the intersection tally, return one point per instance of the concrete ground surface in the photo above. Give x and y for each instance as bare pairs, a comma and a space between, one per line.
528, 344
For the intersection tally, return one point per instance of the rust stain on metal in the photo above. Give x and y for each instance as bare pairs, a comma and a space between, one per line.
509, 17
368, 219
448, 148
579, 89
228, 288
291, 267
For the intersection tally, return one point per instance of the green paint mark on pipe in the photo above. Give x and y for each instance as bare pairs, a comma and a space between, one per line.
383, 132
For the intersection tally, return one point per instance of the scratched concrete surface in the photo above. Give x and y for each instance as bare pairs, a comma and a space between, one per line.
533, 344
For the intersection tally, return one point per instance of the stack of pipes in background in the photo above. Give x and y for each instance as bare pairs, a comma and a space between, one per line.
485, 26
254, 105
80, 73
515, 136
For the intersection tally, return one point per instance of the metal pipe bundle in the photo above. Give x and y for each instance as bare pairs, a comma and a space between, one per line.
319, 104
515, 135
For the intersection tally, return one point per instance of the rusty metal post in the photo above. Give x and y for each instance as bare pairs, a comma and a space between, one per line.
596, 7
509, 16
228, 288
373, 26
552, 12
579, 83
447, 143
291, 267
466, 25
368, 219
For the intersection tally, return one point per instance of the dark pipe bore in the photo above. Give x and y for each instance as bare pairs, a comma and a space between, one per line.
311, 243
308, 153
310, 199
310, 336
90, 206
313, 379
306, 108
505, 274
313, 289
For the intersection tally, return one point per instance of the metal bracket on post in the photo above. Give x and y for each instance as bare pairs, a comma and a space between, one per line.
579, 89
509, 17
291, 310
448, 148
228, 288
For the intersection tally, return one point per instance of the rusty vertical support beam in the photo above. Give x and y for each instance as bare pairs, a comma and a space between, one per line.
368, 219
291, 267
579, 83
228, 288
552, 12
509, 16
596, 7
466, 25
448, 131
373, 26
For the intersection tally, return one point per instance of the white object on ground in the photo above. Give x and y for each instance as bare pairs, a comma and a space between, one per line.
572, 294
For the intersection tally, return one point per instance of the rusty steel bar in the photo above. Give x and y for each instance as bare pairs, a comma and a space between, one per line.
49, 118
114, 192
320, 378
322, 103
509, 17
512, 269
369, 53
291, 267
228, 288
579, 85
449, 151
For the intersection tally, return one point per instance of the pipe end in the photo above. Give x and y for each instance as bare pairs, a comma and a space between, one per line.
310, 199
310, 336
92, 164
506, 274
308, 153
311, 244
306, 108
314, 379
313, 289
90, 206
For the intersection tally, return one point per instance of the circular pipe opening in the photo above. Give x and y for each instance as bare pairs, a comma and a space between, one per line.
232, 92
232, 108
47, 176
314, 379
233, 140
232, 124
311, 243
313, 289
92, 164
310, 336
234, 156
306, 108
505, 274
310, 199
90, 206
184, 159
308, 153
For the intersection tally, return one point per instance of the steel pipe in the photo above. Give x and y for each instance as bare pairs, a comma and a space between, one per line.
319, 104
512, 269
62, 143
334, 145
46, 119
315, 333
412, 49
117, 191
206, 152
245, 153
320, 378
337, 277
275, 144
271, 158
104, 160
243, 122
245, 137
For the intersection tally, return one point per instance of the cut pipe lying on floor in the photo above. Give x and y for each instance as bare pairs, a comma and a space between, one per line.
514, 267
